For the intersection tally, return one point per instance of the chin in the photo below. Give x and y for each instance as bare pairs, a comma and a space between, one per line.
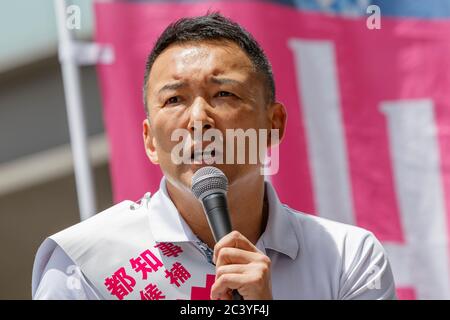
182, 175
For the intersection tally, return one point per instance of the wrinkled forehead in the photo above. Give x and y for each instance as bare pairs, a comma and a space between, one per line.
199, 60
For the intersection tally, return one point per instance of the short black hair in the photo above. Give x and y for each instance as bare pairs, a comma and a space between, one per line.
212, 27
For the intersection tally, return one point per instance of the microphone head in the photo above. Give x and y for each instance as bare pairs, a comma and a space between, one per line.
208, 180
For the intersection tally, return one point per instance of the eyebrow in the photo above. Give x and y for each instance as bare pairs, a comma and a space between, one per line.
172, 86
179, 85
225, 81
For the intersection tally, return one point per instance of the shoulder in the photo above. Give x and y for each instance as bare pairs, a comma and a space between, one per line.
315, 230
61, 279
75, 245
104, 226
108, 217
354, 253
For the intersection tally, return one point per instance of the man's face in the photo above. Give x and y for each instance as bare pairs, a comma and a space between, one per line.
210, 85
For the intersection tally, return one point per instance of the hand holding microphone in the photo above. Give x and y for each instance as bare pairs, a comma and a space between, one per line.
240, 266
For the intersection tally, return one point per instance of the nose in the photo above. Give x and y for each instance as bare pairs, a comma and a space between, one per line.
200, 118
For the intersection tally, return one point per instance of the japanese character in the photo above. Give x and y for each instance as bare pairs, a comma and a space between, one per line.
177, 274
120, 284
169, 249
145, 263
151, 292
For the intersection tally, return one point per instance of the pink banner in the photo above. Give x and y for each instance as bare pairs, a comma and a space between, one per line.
368, 137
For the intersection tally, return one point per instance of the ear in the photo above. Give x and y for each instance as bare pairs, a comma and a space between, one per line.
277, 117
149, 142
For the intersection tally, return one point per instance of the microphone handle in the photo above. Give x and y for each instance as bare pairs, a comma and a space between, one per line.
216, 209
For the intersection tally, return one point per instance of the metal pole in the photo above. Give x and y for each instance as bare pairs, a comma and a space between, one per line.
75, 115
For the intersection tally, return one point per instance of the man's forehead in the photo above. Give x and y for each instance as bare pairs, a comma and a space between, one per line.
200, 58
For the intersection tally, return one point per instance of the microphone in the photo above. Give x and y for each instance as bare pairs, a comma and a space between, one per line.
210, 185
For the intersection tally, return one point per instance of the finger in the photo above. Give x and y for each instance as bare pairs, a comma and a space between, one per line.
231, 268
236, 256
224, 296
223, 285
234, 240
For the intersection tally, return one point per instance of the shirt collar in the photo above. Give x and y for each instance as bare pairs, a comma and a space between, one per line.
279, 234
167, 225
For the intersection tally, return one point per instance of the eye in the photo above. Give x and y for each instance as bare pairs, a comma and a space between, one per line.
172, 100
224, 94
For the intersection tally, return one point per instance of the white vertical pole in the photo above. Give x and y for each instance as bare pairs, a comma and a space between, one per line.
75, 114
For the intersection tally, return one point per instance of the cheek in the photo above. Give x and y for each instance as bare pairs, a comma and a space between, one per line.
244, 119
164, 126
162, 138
232, 116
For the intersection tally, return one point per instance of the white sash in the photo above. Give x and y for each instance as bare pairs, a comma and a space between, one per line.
116, 252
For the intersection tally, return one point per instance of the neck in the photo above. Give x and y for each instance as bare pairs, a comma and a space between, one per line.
246, 207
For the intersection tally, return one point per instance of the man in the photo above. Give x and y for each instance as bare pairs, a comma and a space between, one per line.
208, 73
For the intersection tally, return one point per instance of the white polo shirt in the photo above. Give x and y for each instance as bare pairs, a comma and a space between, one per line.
312, 257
